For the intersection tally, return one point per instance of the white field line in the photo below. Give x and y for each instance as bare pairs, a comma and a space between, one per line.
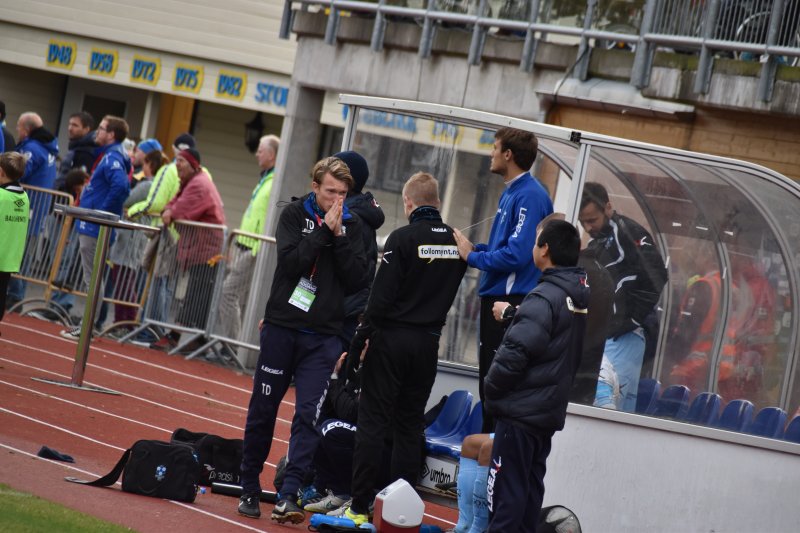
92, 474
59, 428
135, 378
157, 384
151, 402
146, 363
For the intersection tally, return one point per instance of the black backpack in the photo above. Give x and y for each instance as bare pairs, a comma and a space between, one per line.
154, 468
220, 458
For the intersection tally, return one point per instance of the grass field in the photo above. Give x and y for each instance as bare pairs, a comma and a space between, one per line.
26, 513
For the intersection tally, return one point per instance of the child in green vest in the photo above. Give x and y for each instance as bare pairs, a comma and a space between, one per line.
14, 211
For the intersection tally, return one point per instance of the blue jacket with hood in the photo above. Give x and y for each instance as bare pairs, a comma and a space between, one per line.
41, 150
109, 187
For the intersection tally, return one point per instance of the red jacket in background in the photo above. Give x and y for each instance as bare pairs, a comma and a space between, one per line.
198, 200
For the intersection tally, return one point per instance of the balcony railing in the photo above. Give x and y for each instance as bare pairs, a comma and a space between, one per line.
760, 30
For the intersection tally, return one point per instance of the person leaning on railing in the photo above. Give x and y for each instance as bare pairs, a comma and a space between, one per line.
197, 200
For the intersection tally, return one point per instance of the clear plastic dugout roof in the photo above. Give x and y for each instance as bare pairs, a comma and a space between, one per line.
729, 225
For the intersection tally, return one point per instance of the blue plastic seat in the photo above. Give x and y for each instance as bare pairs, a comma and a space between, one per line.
453, 415
647, 395
768, 423
793, 430
704, 409
736, 415
673, 403
451, 444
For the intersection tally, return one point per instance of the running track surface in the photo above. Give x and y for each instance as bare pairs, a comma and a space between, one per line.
159, 394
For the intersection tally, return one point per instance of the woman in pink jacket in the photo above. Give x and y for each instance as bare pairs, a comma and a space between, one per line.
199, 248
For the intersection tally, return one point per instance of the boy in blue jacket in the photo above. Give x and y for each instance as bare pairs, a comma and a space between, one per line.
528, 384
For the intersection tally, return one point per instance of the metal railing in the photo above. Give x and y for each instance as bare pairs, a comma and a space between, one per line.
763, 30
52, 261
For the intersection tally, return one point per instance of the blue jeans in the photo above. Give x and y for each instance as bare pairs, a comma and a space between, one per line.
625, 353
16, 290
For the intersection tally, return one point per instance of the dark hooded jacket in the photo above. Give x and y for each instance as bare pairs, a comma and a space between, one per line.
529, 381
371, 216
81, 155
41, 149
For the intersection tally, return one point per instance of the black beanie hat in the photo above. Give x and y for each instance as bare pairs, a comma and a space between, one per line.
358, 168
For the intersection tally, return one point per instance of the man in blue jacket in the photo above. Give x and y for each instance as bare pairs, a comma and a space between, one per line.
508, 272
107, 190
527, 387
40, 149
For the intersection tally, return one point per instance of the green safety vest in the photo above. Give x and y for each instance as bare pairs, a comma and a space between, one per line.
256, 213
14, 217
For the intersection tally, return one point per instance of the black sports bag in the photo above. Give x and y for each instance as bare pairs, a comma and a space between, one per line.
155, 468
220, 458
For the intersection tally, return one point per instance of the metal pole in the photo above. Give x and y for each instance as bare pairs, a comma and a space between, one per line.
90, 311
286, 21
428, 30
766, 80
378, 29
584, 52
333, 25
643, 60
702, 81
478, 38
531, 42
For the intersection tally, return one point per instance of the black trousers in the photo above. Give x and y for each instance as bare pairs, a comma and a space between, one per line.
4, 279
399, 370
490, 336
516, 479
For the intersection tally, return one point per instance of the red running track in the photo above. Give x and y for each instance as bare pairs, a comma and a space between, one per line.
159, 394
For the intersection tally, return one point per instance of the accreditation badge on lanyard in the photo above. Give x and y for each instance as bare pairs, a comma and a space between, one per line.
304, 294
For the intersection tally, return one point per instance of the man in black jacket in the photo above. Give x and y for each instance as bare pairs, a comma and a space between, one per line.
369, 213
628, 252
417, 281
528, 384
320, 259
82, 148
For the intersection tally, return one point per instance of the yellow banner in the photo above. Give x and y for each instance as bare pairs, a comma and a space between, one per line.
187, 78
61, 54
145, 69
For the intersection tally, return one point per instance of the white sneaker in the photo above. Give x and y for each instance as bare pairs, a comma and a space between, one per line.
326, 503
341, 510
73, 333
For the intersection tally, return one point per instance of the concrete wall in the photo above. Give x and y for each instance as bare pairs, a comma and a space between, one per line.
728, 121
242, 32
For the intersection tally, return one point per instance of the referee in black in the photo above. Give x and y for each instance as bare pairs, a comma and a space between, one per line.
418, 278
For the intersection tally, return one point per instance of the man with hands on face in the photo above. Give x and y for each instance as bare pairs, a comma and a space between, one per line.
320, 258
